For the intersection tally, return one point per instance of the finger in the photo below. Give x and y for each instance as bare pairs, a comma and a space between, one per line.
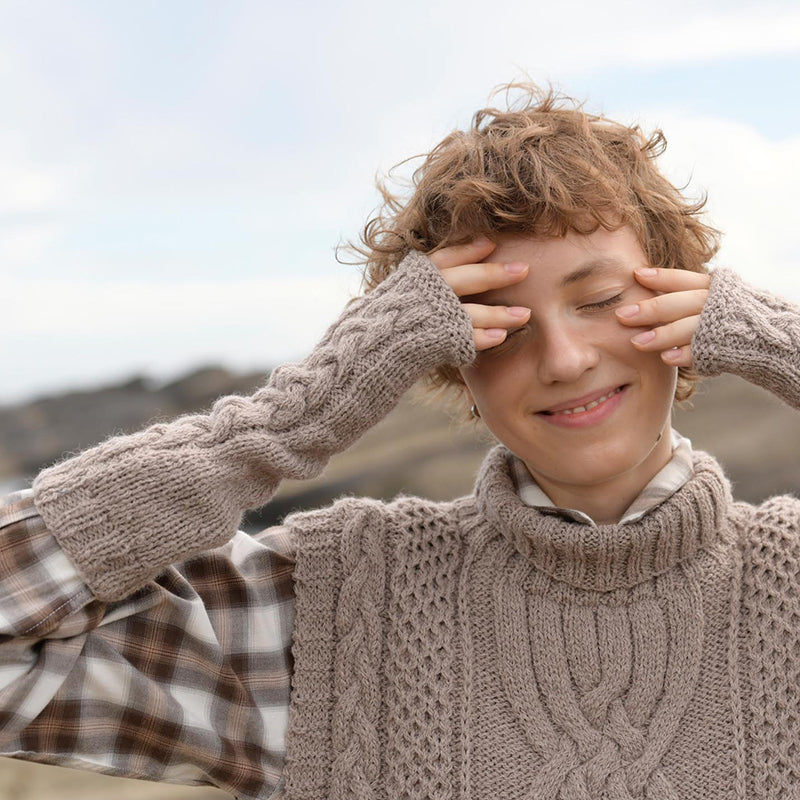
672, 280
663, 308
457, 254
468, 279
678, 356
496, 316
488, 337
675, 334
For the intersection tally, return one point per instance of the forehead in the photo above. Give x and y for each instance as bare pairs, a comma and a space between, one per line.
567, 253
558, 264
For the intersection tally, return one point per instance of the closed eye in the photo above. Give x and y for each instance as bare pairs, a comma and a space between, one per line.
605, 303
512, 334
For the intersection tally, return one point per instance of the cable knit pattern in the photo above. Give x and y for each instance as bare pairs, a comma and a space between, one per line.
120, 501
613, 681
422, 637
366, 693
357, 667
597, 681
771, 608
749, 332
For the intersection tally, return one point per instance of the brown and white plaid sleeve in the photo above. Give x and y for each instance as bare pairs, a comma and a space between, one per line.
186, 681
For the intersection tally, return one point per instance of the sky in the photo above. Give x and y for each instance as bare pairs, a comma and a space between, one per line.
176, 175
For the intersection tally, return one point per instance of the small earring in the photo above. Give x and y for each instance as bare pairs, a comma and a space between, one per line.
474, 411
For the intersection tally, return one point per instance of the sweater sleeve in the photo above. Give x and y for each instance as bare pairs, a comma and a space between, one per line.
129, 507
756, 335
751, 333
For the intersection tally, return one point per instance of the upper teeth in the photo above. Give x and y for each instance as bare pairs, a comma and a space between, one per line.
594, 403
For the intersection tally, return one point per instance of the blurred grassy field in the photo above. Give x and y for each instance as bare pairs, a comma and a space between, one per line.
418, 450
22, 780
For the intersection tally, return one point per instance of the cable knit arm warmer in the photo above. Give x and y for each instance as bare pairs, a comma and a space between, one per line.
750, 333
133, 505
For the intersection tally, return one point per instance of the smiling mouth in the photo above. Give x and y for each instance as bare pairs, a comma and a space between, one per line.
587, 407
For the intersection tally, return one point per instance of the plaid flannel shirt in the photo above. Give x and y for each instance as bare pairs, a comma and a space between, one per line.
188, 679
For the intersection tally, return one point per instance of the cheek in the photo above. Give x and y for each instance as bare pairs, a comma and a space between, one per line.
659, 380
612, 337
494, 379
615, 340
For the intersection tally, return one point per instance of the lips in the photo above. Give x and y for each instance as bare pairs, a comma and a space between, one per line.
585, 402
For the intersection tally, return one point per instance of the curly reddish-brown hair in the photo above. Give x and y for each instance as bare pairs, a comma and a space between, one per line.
542, 167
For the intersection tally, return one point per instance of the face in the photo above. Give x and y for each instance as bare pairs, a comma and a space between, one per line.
572, 351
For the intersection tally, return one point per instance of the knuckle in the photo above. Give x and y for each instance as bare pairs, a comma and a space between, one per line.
499, 271
653, 307
499, 316
669, 335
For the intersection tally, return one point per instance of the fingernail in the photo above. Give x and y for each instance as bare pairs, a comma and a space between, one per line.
673, 353
518, 311
516, 267
644, 338
495, 333
628, 311
481, 241
647, 272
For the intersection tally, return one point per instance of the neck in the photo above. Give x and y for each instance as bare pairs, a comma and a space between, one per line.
606, 501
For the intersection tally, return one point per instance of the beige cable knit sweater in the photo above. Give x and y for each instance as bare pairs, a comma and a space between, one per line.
479, 648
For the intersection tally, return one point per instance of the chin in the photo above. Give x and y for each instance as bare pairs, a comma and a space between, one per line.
595, 471
596, 463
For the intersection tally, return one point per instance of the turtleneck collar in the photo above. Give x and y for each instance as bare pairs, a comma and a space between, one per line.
607, 557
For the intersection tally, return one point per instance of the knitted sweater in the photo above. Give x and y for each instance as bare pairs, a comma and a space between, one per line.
479, 647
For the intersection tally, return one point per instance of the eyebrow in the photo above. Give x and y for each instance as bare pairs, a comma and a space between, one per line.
596, 267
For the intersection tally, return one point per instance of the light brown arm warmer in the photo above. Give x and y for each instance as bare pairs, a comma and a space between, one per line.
751, 333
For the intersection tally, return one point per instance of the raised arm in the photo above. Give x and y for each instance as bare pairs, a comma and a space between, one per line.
116, 508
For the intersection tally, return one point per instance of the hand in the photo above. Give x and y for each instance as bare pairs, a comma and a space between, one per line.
673, 314
464, 274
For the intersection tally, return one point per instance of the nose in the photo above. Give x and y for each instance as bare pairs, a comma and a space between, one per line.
565, 352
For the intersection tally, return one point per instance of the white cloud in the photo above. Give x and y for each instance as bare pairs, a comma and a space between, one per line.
26, 243
27, 184
32, 194
289, 311
761, 30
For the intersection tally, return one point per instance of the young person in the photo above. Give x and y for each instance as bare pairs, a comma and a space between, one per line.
599, 618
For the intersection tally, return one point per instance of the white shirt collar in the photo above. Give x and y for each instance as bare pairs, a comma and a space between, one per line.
665, 483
